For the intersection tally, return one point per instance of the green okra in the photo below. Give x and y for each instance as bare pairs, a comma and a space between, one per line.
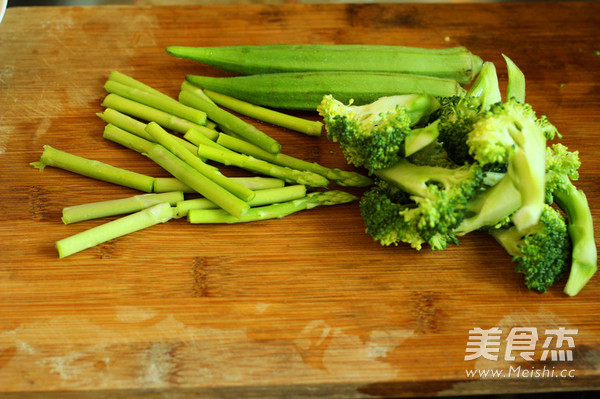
95, 210
94, 169
305, 90
145, 218
456, 63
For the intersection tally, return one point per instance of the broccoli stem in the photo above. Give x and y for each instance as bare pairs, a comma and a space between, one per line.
228, 157
580, 226
343, 178
308, 127
262, 197
485, 87
149, 114
230, 121
95, 210
171, 143
420, 138
516, 81
280, 210
151, 216
197, 181
166, 184
94, 169
159, 102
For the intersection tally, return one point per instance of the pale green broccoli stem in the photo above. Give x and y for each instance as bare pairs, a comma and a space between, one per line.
580, 226
420, 138
306, 126
343, 178
197, 181
228, 157
166, 184
121, 206
155, 101
131, 125
516, 81
149, 114
262, 197
145, 218
486, 86
274, 211
230, 121
94, 169
171, 143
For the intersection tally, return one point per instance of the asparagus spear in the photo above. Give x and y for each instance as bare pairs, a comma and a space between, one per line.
94, 169
170, 142
197, 181
153, 215
166, 184
262, 197
252, 164
230, 121
280, 210
94, 210
343, 178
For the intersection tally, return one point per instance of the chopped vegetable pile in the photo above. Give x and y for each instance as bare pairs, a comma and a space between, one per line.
443, 152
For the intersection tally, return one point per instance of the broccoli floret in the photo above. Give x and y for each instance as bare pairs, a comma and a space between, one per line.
542, 252
373, 135
419, 204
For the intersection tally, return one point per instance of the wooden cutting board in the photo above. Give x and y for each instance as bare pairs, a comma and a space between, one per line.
306, 306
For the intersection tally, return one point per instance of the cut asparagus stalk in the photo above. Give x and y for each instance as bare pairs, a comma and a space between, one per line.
149, 114
145, 218
197, 181
280, 210
121, 206
172, 144
306, 126
230, 121
126, 139
341, 177
252, 164
262, 197
94, 169
166, 184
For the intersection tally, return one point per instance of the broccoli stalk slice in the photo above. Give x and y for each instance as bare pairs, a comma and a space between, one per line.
516, 81
167, 184
343, 178
95, 210
230, 121
419, 138
197, 181
273, 211
145, 218
228, 157
150, 114
485, 87
94, 169
306, 126
262, 197
581, 231
171, 143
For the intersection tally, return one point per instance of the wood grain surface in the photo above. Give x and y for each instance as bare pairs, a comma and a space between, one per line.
305, 306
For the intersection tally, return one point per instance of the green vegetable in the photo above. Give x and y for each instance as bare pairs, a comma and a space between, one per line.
342, 177
149, 114
280, 210
155, 101
306, 126
171, 143
94, 169
542, 252
230, 121
261, 197
95, 210
252, 164
456, 63
166, 184
126, 139
373, 135
305, 90
197, 181
145, 218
